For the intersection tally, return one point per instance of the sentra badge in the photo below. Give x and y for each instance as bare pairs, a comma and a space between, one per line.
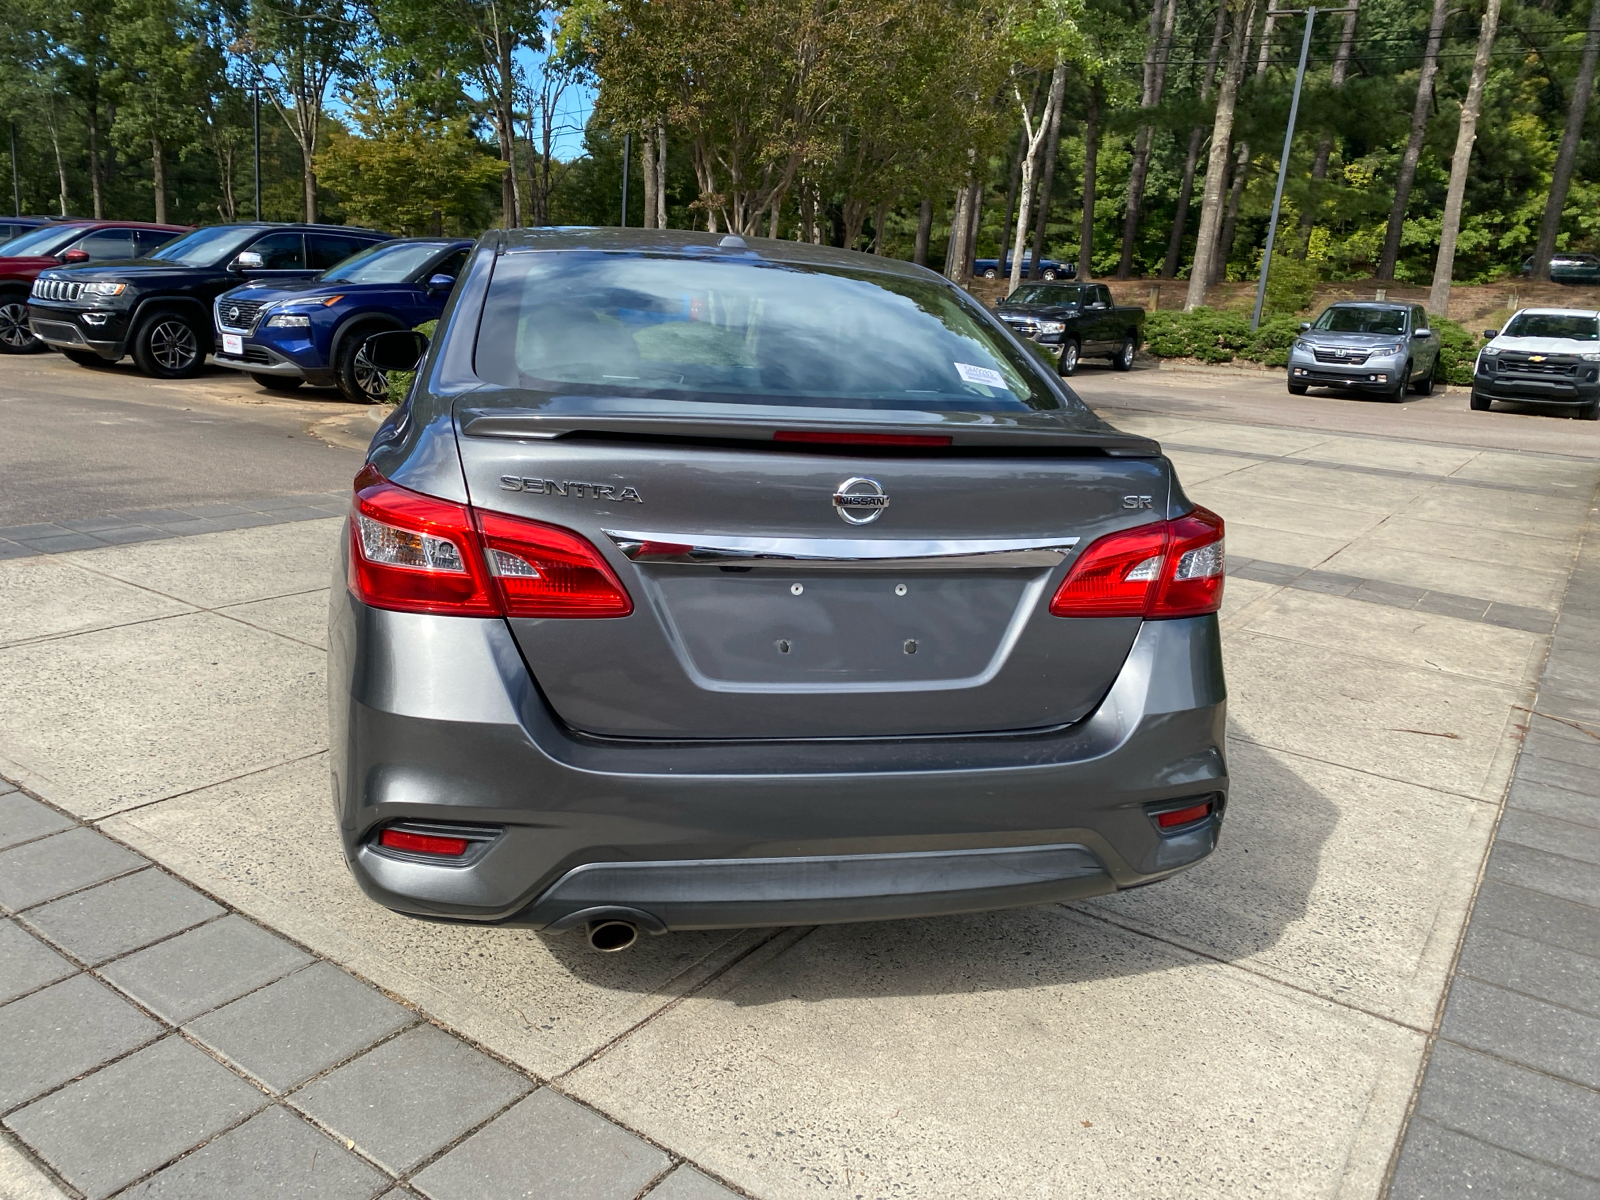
570, 487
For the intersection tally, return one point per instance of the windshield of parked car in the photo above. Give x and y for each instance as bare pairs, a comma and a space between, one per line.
1362, 320
47, 239
1571, 326
205, 247
598, 325
1044, 293
394, 262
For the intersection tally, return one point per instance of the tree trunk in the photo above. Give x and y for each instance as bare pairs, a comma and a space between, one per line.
311, 187
1241, 168
1169, 268
1413, 151
974, 226
506, 119
1091, 153
158, 178
1561, 177
1319, 165
955, 255
1030, 165
95, 170
919, 254
61, 166
1016, 164
1217, 164
661, 174
649, 157
879, 220
1047, 181
1460, 161
1155, 72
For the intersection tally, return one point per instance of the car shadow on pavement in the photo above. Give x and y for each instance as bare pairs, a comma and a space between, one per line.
1238, 903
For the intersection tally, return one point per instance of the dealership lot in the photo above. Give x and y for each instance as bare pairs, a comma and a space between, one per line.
1258, 1024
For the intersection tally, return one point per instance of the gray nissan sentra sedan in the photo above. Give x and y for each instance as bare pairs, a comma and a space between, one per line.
701, 583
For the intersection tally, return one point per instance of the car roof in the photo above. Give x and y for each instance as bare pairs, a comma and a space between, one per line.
686, 242
320, 228
1559, 312
1391, 304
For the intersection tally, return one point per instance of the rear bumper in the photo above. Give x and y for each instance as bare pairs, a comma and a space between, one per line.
437, 719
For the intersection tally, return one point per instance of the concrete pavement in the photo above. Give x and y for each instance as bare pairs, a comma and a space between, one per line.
1257, 1024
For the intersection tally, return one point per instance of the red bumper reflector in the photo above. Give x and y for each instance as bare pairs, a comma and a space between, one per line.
825, 437
1183, 816
423, 843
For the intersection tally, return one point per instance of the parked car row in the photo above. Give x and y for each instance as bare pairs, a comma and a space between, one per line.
287, 304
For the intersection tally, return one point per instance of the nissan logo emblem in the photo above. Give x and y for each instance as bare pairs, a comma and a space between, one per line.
233, 312
859, 500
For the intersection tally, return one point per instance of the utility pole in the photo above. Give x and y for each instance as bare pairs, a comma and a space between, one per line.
627, 155
16, 186
255, 121
1288, 143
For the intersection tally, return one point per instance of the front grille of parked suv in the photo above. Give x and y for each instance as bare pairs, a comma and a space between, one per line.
1522, 366
238, 316
56, 289
1353, 358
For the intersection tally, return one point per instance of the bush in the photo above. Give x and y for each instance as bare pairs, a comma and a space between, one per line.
1458, 348
1218, 336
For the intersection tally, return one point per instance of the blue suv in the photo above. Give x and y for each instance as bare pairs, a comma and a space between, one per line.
286, 334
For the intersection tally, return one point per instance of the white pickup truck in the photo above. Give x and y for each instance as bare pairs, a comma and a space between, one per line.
1542, 356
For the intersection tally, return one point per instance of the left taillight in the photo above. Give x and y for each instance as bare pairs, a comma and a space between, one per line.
1165, 569
416, 553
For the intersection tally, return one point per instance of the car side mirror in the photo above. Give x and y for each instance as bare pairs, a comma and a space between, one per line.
1491, 333
247, 260
396, 349
1304, 325
1424, 333
73, 257
441, 283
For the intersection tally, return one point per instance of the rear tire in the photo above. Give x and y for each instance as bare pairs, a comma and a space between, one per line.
1297, 389
15, 336
169, 346
85, 358
358, 380
1068, 365
1479, 403
277, 383
1122, 360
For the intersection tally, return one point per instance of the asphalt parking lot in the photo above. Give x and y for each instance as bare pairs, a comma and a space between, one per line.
195, 1000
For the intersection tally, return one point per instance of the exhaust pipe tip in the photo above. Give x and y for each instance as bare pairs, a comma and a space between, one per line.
612, 937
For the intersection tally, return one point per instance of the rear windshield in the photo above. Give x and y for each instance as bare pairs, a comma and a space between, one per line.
395, 262
1362, 320
1044, 293
1571, 326
614, 327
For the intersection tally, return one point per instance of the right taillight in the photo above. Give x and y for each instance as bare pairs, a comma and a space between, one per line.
1165, 569
416, 553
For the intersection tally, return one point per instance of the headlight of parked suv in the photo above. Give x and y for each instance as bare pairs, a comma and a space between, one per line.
1302, 345
1386, 350
104, 289
1491, 351
289, 321
1052, 326
1592, 357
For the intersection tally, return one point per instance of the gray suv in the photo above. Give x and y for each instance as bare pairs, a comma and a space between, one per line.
1370, 347
700, 583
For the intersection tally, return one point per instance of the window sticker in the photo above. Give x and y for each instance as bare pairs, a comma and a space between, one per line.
983, 375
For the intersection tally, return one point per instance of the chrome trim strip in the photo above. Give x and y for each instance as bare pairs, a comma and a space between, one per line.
842, 553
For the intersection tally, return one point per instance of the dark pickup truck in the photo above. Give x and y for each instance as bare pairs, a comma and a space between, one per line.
1079, 318
993, 268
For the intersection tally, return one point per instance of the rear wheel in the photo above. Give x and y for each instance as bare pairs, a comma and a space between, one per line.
1069, 357
359, 381
277, 383
1122, 360
1479, 403
85, 358
15, 336
168, 346
1297, 389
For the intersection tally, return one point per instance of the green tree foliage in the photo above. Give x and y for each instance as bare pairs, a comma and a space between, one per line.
401, 170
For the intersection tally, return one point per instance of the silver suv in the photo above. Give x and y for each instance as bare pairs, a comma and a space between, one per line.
1370, 347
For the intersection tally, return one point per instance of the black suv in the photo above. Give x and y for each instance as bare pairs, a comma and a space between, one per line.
159, 308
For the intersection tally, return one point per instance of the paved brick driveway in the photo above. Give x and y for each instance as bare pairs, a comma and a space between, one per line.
1258, 1024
